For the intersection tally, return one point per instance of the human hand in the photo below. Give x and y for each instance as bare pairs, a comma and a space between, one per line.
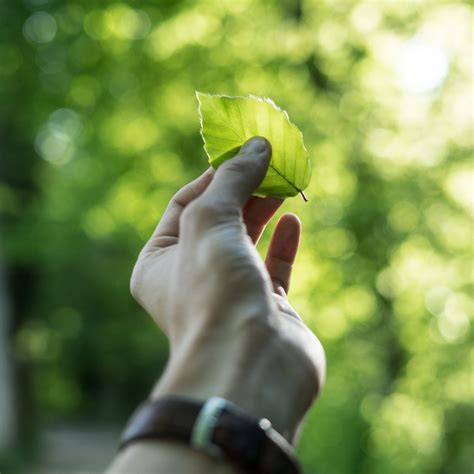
231, 328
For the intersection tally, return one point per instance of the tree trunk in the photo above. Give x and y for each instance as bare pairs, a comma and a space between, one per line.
8, 418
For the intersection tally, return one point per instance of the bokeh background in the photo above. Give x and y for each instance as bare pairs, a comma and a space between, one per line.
99, 127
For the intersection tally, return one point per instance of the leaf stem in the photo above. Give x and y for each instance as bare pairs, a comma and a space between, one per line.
303, 196
288, 181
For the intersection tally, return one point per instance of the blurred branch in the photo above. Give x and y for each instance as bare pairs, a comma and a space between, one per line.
319, 79
294, 9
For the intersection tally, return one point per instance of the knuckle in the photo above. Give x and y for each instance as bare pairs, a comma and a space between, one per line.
245, 163
311, 360
258, 329
234, 255
236, 165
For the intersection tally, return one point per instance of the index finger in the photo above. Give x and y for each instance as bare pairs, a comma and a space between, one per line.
167, 230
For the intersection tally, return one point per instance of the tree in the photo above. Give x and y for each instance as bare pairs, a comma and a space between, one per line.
99, 127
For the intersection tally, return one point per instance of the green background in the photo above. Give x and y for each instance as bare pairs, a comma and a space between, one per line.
99, 127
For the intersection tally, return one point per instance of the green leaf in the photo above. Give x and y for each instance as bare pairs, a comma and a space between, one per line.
228, 122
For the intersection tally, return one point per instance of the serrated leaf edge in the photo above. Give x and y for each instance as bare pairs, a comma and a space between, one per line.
259, 99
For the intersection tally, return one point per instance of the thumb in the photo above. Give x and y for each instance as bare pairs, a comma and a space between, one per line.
237, 178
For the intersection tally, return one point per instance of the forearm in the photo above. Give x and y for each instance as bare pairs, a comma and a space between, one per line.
261, 381
167, 457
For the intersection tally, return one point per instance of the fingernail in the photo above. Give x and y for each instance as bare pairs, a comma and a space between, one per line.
258, 145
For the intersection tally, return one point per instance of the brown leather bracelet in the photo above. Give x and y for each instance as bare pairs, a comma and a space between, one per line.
217, 427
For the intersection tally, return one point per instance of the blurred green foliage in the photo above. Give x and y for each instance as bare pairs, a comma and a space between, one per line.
99, 126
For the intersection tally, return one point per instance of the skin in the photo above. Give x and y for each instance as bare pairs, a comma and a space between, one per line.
232, 331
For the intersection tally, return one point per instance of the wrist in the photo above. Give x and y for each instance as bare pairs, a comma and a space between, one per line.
167, 456
256, 370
